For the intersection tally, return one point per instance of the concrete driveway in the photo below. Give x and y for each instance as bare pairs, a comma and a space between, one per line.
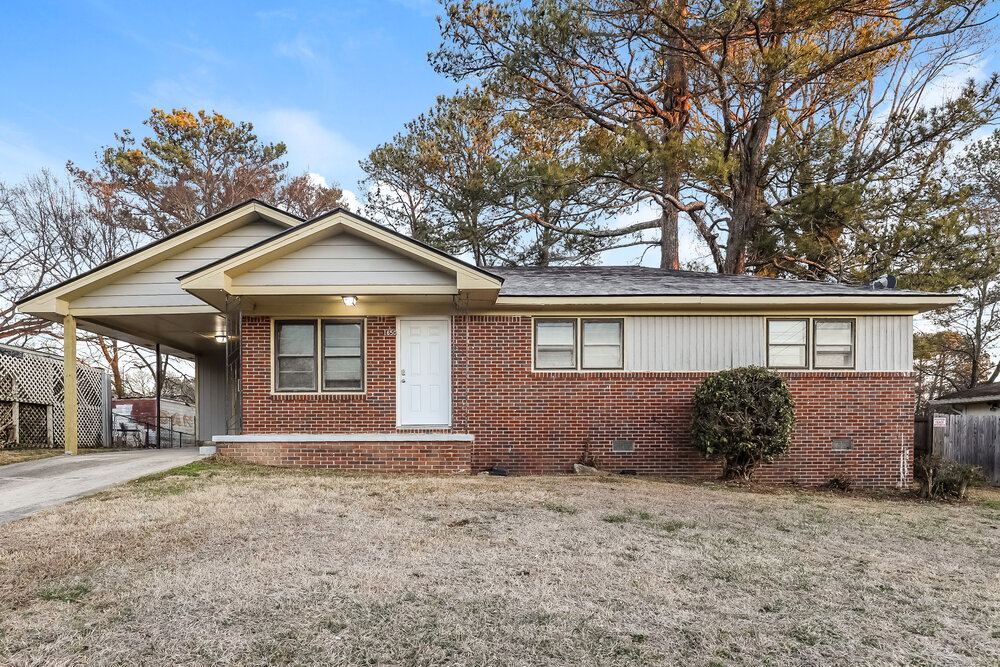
26, 488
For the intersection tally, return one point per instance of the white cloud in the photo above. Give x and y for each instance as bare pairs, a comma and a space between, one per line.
312, 146
299, 49
348, 197
351, 200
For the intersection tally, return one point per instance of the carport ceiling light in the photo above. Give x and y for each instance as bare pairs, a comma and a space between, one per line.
350, 300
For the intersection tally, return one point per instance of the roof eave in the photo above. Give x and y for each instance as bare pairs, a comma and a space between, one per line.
956, 401
272, 213
916, 303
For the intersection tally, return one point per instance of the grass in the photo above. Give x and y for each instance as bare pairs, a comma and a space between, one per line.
224, 564
8, 456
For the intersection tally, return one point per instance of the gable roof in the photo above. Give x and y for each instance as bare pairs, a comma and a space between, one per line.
581, 281
325, 223
980, 394
124, 262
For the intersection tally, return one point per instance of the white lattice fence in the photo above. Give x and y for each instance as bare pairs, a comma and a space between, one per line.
31, 401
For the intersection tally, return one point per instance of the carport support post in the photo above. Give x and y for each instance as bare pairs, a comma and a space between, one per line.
159, 392
69, 384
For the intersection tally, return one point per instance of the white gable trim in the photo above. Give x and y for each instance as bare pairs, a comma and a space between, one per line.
59, 298
219, 275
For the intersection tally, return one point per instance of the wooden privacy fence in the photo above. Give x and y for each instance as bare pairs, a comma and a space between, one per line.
972, 439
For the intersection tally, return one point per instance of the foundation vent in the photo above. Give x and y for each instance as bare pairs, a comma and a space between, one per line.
621, 446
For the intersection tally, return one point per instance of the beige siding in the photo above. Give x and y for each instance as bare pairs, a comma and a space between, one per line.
697, 343
885, 343
344, 259
157, 285
711, 343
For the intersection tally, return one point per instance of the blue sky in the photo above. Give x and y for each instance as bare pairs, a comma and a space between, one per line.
331, 79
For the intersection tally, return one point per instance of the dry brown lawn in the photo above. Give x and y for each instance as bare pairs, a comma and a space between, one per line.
219, 564
8, 456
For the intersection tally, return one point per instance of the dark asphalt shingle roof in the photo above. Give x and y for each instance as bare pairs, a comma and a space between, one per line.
983, 391
646, 281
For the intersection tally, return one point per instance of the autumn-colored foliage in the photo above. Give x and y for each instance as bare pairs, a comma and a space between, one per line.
190, 166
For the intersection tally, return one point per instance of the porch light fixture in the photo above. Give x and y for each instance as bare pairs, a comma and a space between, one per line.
350, 300
221, 338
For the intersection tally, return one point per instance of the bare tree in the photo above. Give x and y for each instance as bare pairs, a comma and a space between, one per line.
48, 236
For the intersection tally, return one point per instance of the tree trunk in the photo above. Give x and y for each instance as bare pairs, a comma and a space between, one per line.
113, 357
748, 215
676, 101
741, 224
669, 234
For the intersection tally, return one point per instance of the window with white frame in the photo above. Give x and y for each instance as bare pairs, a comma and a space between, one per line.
787, 343
833, 343
319, 355
820, 343
579, 343
555, 344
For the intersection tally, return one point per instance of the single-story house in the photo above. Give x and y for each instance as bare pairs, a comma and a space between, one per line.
981, 400
336, 342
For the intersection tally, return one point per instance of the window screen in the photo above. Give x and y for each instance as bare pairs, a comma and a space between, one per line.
602, 344
834, 343
787, 343
343, 355
555, 343
295, 351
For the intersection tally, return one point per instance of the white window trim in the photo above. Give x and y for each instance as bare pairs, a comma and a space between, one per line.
811, 343
854, 343
319, 357
579, 319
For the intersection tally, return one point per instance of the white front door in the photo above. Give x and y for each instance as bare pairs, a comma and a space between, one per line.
423, 372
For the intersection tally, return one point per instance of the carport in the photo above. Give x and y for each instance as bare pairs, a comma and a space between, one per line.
138, 299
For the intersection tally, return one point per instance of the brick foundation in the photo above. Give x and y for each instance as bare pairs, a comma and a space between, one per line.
361, 455
541, 423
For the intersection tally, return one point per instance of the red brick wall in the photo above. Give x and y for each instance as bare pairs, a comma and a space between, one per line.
452, 457
540, 423
374, 411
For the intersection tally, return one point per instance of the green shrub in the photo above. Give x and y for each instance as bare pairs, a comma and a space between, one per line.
744, 417
942, 478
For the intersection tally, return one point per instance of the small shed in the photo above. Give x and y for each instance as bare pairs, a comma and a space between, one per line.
31, 401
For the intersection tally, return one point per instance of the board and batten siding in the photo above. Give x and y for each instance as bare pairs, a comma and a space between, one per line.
713, 343
885, 343
344, 259
157, 285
